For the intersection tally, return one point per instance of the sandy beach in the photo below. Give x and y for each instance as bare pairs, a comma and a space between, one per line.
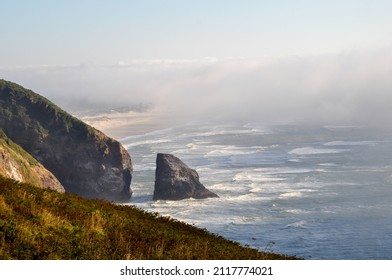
119, 125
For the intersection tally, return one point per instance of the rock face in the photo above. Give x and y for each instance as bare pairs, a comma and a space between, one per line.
174, 180
17, 164
83, 159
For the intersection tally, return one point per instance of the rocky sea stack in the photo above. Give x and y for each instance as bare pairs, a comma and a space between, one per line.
174, 180
83, 159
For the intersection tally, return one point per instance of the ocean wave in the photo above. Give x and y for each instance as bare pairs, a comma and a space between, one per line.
300, 224
315, 151
231, 150
197, 145
214, 171
195, 148
286, 170
146, 142
351, 143
252, 177
296, 211
144, 167
328, 164
246, 198
245, 220
211, 131
256, 190
295, 160
259, 129
291, 194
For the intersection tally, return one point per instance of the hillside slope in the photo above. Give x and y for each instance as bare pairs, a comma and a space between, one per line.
15, 163
44, 224
83, 159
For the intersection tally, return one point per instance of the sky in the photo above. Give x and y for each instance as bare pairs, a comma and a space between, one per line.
257, 59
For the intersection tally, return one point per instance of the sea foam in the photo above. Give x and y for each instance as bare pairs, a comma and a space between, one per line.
315, 151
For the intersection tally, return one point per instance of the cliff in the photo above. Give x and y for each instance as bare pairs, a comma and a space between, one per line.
17, 164
174, 180
83, 159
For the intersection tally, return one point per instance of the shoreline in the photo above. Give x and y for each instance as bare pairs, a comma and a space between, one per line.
121, 125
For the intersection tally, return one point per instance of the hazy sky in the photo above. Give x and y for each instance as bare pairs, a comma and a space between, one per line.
252, 58
73, 31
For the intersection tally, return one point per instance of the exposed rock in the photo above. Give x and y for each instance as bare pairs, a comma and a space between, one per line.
85, 161
174, 180
17, 164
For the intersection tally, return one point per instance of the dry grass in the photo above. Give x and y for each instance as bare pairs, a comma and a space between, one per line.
44, 224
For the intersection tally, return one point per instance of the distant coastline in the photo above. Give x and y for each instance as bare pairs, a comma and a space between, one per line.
122, 124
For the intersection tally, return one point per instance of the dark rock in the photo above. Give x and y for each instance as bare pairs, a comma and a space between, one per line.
83, 159
17, 164
174, 180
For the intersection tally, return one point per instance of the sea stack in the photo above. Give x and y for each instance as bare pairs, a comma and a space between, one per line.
174, 180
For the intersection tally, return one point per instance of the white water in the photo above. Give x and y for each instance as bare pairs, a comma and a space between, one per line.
315, 192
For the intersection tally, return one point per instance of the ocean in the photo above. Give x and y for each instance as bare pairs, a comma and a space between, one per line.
316, 192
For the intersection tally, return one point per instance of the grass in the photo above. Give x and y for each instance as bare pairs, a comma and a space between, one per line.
15, 149
43, 224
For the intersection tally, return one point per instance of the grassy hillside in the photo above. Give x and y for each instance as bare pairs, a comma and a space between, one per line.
16, 149
44, 224
16, 163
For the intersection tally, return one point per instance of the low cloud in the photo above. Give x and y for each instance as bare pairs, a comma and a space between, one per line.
348, 88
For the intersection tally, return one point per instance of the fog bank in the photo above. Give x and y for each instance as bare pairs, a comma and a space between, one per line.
347, 88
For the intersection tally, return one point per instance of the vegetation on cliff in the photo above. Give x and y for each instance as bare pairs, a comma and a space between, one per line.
44, 224
16, 163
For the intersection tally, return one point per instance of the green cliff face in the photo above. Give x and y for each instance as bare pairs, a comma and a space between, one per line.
17, 164
83, 159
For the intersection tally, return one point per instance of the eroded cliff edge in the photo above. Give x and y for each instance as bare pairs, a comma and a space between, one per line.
83, 159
